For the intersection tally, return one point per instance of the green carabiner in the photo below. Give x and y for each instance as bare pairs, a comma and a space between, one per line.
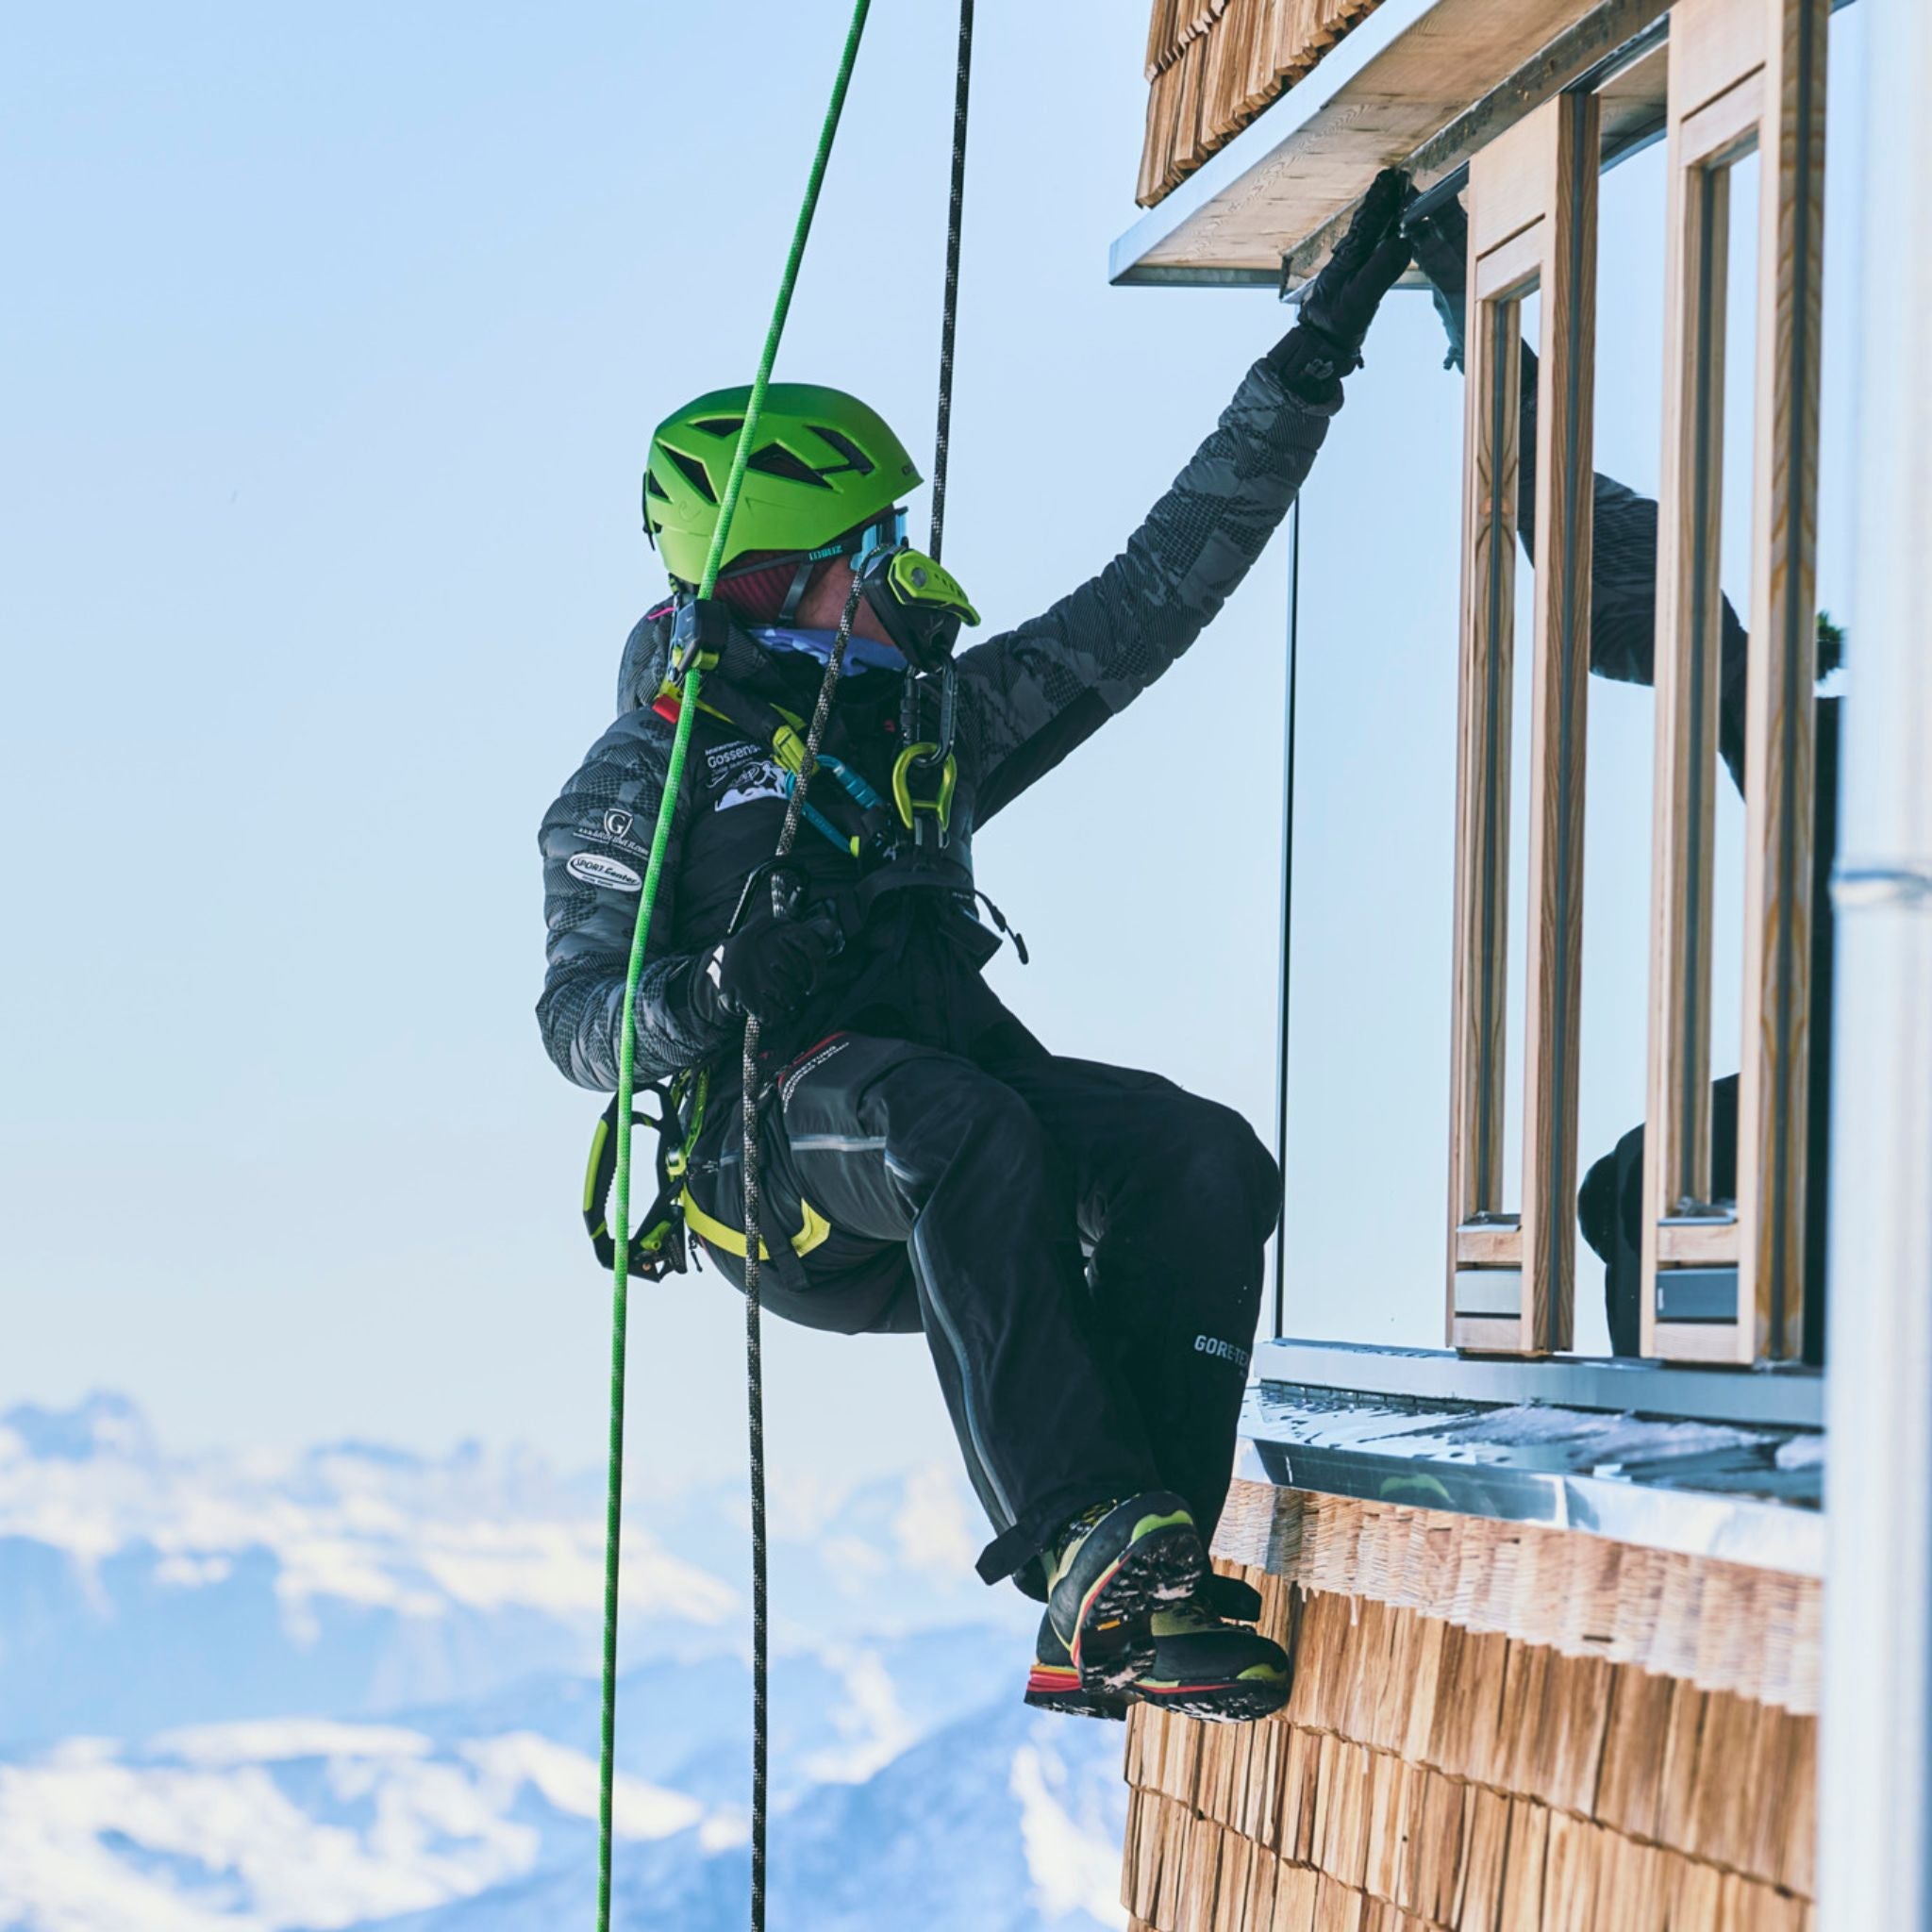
940, 806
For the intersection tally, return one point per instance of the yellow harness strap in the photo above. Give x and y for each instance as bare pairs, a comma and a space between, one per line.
718, 1234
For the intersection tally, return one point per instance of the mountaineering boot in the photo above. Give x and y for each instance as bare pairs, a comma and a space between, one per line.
1111, 1570
1210, 1665
1053, 1684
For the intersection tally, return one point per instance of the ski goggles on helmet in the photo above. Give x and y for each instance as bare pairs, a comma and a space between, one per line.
919, 604
769, 589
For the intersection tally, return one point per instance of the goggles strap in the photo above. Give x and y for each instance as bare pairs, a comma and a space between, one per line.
884, 530
794, 594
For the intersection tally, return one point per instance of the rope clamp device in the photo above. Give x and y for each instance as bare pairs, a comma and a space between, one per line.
918, 602
700, 634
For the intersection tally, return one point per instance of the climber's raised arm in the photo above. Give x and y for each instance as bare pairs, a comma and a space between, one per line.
1034, 692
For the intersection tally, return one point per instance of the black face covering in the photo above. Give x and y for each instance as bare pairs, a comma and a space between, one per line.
789, 679
864, 721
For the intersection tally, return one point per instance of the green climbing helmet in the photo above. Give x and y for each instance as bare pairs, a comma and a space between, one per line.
824, 464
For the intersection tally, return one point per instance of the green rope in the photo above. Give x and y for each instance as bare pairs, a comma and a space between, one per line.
626, 1054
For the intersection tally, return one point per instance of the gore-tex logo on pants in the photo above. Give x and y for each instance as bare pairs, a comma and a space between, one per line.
1221, 1351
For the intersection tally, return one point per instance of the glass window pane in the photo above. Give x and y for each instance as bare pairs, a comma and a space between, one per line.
1526, 316
1615, 1031
1734, 572
1367, 1148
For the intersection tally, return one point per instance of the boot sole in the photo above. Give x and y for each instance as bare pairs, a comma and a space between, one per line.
1244, 1701
1050, 1688
1113, 1643
1059, 1690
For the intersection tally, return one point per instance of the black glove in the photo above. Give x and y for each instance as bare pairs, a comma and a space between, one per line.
1440, 241
1326, 342
767, 971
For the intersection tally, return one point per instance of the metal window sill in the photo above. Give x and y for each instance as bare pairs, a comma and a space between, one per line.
1743, 1492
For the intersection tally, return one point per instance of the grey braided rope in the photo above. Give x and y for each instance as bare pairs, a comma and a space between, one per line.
949, 317
754, 1336
749, 1096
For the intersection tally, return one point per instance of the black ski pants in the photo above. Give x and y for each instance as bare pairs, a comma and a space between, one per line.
1080, 1244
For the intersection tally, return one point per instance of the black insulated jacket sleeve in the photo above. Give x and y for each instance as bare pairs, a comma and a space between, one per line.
1029, 696
596, 842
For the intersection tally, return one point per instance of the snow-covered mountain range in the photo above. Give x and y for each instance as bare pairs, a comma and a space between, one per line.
355, 1688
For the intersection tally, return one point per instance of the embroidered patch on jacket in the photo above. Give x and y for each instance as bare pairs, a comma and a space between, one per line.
614, 826
600, 869
751, 782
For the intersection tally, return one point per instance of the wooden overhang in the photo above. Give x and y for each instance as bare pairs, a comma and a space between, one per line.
1416, 83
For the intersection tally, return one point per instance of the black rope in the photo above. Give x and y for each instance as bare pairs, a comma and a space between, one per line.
755, 1412
750, 1095
949, 320
754, 1336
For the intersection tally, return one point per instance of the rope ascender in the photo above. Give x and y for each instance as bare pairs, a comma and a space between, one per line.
750, 1094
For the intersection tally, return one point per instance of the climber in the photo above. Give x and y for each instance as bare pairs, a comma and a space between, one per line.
1080, 1244
1622, 647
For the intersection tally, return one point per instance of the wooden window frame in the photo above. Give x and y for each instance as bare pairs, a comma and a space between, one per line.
1743, 74
1532, 223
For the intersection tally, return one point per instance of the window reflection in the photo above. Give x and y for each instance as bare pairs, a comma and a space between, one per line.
1622, 725
1522, 319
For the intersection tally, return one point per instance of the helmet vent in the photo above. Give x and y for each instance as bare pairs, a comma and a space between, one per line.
721, 425
654, 488
855, 459
777, 460
694, 473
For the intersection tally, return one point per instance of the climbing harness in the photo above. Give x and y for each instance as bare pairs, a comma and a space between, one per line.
922, 607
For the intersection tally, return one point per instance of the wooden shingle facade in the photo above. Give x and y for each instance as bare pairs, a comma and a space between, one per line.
1494, 1727
1212, 65
1556, 1621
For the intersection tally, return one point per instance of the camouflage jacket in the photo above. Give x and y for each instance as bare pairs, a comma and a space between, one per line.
1025, 699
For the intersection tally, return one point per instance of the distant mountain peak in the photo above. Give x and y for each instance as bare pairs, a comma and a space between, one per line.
356, 1687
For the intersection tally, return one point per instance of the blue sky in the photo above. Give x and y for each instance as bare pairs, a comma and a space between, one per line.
332, 342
